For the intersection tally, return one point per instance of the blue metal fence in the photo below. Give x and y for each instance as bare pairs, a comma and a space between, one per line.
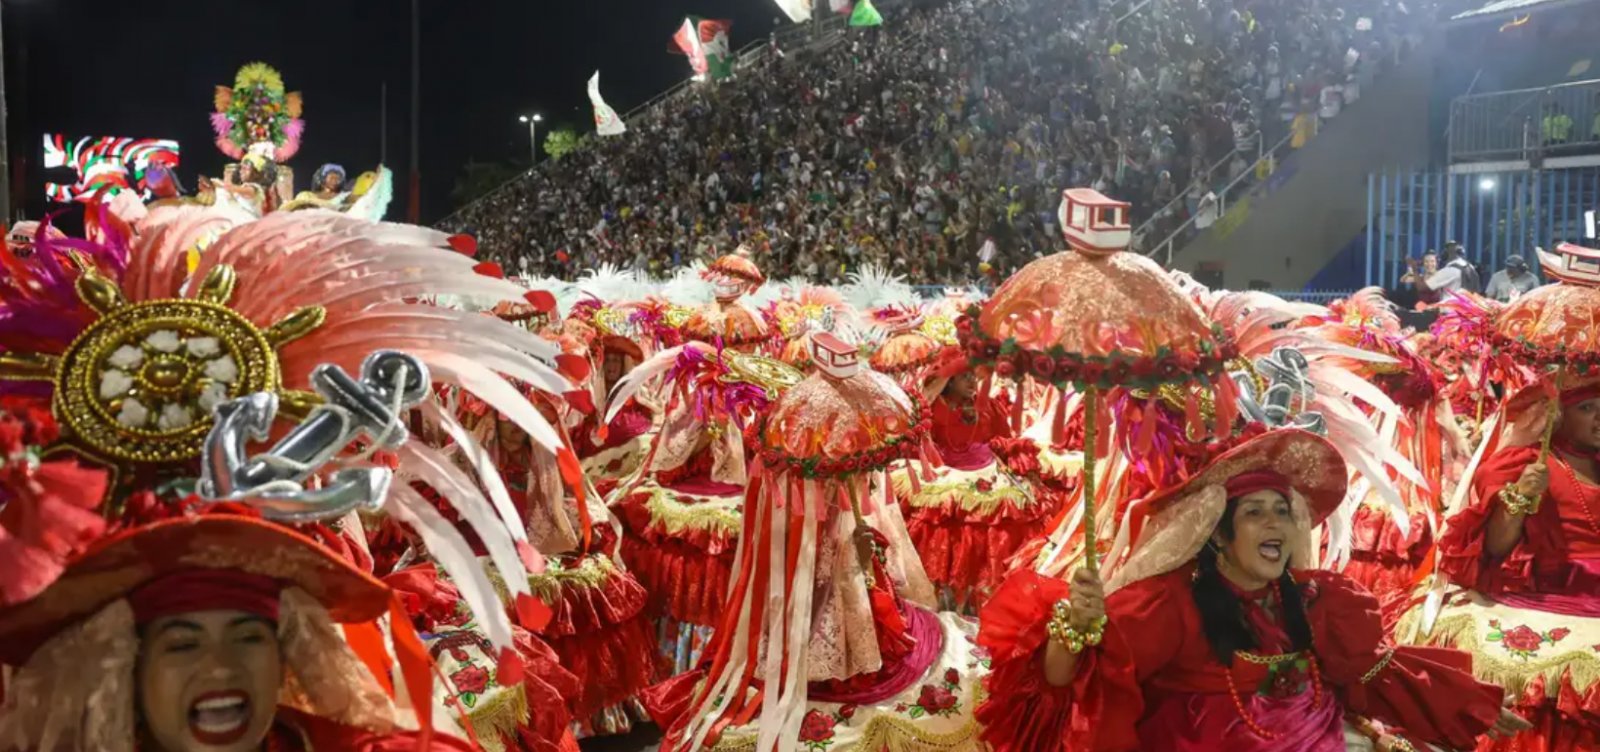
1492, 214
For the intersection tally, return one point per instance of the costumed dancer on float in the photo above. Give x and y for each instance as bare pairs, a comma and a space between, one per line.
1203, 638
253, 187
1525, 543
367, 196
826, 637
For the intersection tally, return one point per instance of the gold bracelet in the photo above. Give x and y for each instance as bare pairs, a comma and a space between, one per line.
1516, 503
1061, 630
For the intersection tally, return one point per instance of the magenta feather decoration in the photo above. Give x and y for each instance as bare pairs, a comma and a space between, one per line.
291, 140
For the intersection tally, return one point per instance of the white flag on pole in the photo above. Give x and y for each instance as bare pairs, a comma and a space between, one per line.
606, 122
798, 11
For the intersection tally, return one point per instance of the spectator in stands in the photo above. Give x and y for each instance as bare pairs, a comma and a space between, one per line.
1556, 127
956, 124
1512, 281
1458, 274
1417, 276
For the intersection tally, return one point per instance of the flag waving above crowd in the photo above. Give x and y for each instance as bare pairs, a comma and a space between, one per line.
606, 122
865, 15
705, 42
798, 11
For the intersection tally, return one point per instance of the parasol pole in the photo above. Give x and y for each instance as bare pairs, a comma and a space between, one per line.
1553, 414
1091, 406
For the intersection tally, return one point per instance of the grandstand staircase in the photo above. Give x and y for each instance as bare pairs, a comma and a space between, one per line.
1290, 226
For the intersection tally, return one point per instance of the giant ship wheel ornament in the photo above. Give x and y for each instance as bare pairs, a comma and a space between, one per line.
139, 384
1096, 318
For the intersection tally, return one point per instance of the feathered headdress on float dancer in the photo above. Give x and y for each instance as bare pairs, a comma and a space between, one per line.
256, 109
822, 452
135, 354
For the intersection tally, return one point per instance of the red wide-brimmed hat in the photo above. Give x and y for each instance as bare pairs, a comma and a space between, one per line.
1166, 529
116, 566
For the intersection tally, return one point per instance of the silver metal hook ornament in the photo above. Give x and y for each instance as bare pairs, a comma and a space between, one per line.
1289, 392
274, 481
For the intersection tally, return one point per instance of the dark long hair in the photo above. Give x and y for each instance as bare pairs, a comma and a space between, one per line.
1221, 614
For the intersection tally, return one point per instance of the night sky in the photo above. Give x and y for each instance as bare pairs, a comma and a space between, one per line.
148, 68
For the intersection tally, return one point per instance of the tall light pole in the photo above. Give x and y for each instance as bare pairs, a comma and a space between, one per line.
533, 133
414, 204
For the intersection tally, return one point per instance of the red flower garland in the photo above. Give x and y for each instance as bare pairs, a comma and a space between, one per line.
1060, 368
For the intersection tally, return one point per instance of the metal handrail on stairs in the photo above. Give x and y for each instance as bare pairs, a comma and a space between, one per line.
1168, 245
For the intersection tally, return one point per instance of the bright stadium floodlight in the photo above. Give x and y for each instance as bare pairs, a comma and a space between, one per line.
1486, 184
533, 132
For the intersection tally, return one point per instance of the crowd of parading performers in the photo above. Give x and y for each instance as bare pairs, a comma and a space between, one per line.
769, 516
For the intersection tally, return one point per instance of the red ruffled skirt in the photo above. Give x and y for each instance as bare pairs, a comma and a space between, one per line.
967, 551
1565, 720
600, 630
686, 571
1386, 562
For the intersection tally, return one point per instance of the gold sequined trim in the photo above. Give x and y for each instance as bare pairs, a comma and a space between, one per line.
591, 571
962, 493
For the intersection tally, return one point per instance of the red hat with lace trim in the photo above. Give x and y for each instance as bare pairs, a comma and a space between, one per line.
92, 612
1167, 528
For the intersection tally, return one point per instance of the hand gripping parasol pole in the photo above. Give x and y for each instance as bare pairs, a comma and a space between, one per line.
1091, 548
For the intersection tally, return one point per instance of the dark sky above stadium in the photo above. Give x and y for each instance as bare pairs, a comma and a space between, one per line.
147, 69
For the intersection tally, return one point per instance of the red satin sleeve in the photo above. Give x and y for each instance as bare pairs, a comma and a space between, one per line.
1100, 710
1461, 547
1429, 694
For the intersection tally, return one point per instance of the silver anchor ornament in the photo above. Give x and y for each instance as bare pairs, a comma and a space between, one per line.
274, 481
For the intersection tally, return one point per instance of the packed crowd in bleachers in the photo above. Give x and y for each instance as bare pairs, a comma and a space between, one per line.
912, 144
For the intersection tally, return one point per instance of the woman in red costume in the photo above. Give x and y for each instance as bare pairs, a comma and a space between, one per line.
1211, 642
614, 451
1525, 542
967, 517
217, 632
1529, 547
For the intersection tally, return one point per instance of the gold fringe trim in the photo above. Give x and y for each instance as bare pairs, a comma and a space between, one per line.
498, 719
892, 733
1461, 632
592, 571
960, 493
1064, 464
712, 514
885, 732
